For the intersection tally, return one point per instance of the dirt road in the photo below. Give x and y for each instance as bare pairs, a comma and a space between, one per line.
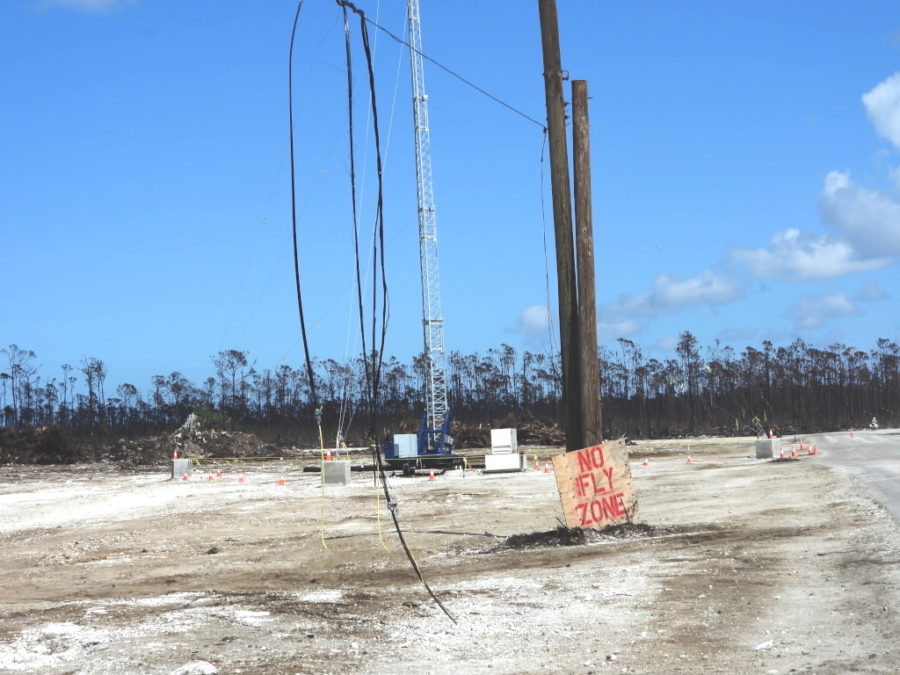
748, 567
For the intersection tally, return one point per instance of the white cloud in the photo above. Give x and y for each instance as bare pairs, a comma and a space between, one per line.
669, 294
870, 293
612, 330
667, 343
864, 223
737, 334
866, 236
793, 254
534, 320
96, 6
813, 310
894, 173
883, 108
868, 219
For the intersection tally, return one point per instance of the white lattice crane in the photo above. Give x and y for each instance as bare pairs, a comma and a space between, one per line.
434, 433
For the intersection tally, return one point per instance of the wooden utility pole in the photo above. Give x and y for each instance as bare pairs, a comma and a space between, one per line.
591, 419
562, 221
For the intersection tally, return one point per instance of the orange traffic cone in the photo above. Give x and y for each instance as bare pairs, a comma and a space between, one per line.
184, 476
537, 466
781, 454
241, 478
219, 473
689, 460
210, 476
546, 468
646, 462
793, 452
328, 456
175, 454
281, 480
431, 475
801, 447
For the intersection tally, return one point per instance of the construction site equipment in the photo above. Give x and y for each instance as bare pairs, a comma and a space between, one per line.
434, 437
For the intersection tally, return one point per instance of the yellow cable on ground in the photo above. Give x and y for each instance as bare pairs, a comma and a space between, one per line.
378, 516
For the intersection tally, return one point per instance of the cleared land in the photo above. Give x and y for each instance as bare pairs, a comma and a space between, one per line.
748, 566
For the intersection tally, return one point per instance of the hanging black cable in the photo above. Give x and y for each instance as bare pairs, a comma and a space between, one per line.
373, 382
379, 228
359, 288
392, 507
309, 369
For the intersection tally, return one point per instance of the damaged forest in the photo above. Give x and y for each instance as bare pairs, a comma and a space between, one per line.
80, 412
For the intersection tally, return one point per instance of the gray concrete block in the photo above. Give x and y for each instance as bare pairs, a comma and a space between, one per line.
767, 448
181, 467
336, 472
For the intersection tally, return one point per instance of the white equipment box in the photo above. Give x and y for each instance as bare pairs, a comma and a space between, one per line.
503, 441
510, 461
407, 445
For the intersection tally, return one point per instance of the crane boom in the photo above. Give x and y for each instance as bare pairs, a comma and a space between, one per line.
436, 423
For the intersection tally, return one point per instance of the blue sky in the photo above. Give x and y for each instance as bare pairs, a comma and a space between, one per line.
746, 177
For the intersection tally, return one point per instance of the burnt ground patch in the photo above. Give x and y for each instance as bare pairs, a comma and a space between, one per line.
577, 536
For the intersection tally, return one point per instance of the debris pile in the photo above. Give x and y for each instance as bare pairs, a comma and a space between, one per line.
56, 445
530, 430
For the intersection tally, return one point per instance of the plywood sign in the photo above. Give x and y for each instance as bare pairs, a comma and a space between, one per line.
595, 486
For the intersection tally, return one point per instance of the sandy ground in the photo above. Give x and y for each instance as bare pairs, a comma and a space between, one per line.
750, 566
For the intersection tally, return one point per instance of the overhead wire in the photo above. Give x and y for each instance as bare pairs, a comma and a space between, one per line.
250, 259
455, 74
273, 268
546, 256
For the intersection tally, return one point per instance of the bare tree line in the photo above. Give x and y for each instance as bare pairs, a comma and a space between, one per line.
794, 388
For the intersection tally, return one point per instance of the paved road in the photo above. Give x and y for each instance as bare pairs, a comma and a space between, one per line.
871, 456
